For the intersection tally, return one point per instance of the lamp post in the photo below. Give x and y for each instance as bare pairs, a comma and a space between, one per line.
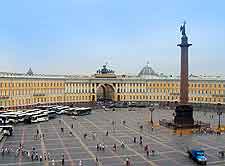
151, 109
219, 113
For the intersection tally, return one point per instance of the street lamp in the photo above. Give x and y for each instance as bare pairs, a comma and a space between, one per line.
219, 113
151, 109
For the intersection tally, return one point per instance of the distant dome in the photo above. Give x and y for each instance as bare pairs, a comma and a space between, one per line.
147, 71
30, 72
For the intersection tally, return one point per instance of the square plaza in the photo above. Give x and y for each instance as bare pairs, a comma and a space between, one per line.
170, 149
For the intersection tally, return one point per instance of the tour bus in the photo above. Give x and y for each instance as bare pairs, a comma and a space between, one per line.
44, 107
83, 111
8, 118
7, 130
21, 116
41, 117
61, 109
32, 111
70, 111
52, 114
29, 114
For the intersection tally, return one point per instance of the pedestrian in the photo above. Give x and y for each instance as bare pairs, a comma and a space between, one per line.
3, 150
37, 132
127, 162
107, 133
153, 152
71, 134
114, 147
97, 147
28, 154
32, 156
63, 160
100, 146
62, 130
40, 158
48, 156
147, 153
53, 162
103, 147
146, 148
97, 161
135, 139
141, 140
80, 163
72, 126
36, 156
45, 156
43, 135
152, 128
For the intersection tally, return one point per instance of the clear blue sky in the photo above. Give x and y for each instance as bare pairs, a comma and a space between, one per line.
77, 36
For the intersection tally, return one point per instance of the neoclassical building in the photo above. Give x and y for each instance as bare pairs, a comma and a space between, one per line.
23, 90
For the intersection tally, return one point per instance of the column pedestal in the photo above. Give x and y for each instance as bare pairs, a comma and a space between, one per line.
184, 116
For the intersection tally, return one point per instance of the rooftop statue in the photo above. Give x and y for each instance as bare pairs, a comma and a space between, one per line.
104, 70
182, 29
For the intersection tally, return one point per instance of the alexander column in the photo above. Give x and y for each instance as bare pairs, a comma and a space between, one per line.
184, 111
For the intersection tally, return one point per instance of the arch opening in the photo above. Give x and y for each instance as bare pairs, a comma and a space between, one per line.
105, 92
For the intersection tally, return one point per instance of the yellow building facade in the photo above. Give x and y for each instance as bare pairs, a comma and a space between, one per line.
23, 90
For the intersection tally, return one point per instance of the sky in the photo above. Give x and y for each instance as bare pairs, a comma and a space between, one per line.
79, 36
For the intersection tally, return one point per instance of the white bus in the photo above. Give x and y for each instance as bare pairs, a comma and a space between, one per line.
61, 109
8, 118
41, 117
83, 111
70, 111
51, 114
19, 114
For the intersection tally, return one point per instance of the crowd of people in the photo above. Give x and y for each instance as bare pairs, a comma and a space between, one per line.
23, 153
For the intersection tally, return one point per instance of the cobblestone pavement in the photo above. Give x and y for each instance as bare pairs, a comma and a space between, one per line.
170, 148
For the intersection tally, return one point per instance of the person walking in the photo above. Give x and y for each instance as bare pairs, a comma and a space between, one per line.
103, 147
141, 140
135, 139
72, 126
40, 158
80, 163
63, 160
62, 130
53, 162
147, 153
127, 162
114, 147
97, 147
97, 161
